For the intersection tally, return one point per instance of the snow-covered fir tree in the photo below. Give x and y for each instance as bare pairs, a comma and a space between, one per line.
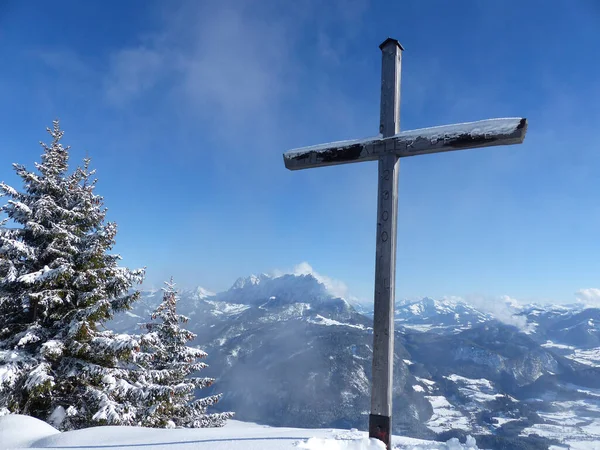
171, 362
59, 284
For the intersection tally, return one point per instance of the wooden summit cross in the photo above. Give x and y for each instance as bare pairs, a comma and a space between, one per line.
388, 149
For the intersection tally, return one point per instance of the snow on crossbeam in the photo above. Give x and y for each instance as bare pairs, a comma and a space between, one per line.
483, 133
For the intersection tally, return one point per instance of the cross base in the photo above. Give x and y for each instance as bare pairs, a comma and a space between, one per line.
380, 428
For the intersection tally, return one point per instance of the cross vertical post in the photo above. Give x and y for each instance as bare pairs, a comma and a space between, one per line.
387, 149
385, 256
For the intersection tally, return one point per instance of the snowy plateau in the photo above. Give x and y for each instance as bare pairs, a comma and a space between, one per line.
287, 352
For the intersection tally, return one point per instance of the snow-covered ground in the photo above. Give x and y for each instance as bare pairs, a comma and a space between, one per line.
550, 344
576, 424
320, 320
478, 391
589, 357
26, 432
445, 416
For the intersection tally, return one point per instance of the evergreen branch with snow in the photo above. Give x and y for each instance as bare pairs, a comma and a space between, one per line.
170, 364
58, 285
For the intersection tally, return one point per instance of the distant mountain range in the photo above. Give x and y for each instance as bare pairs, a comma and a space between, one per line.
288, 352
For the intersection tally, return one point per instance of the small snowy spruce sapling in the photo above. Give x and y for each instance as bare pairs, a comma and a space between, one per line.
169, 366
58, 286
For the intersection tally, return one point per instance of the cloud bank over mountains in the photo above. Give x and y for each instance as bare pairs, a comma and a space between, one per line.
588, 296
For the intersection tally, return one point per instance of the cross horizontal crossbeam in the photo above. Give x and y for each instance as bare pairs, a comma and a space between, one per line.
483, 133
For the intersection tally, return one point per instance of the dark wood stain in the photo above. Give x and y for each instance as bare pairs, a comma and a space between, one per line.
339, 154
467, 140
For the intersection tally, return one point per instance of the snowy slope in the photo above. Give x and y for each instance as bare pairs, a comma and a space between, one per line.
26, 432
440, 316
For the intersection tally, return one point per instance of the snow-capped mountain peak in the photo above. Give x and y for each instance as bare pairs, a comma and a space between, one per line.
286, 289
441, 315
200, 293
251, 280
428, 307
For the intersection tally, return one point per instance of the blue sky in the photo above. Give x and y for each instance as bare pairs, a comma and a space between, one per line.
186, 107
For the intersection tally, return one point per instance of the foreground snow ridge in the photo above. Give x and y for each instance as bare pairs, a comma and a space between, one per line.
20, 432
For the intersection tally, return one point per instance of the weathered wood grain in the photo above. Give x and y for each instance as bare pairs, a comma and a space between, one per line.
385, 250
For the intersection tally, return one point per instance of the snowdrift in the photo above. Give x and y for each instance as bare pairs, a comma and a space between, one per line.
18, 431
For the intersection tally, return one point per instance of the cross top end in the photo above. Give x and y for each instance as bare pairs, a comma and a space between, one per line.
391, 41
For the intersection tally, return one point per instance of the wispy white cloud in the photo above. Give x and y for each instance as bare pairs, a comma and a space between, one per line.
222, 61
504, 308
234, 76
589, 296
132, 72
